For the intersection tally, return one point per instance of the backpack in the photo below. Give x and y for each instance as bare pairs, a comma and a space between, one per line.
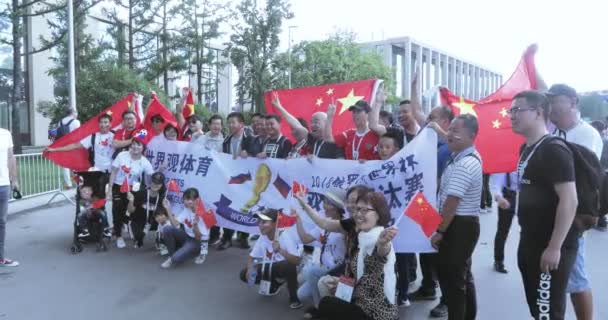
63, 129
591, 186
91, 150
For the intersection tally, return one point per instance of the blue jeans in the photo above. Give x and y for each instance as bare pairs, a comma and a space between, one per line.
4, 195
312, 273
179, 244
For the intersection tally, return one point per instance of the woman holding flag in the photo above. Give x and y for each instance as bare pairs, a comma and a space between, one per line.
128, 171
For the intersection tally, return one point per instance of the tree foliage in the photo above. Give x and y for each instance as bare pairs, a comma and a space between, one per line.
334, 60
594, 107
253, 46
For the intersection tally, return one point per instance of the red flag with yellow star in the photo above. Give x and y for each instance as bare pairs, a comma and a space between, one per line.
496, 141
78, 159
303, 102
188, 109
422, 212
158, 108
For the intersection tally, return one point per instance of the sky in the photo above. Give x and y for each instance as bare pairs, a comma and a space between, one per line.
572, 35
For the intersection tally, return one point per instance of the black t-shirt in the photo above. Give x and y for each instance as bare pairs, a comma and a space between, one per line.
255, 146
277, 148
322, 149
400, 132
144, 204
550, 164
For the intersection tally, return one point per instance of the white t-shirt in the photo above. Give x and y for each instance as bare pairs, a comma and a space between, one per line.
263, 248
103, 149
332, 254
73, 125
585, 135
132, 169
6, 144
186, 217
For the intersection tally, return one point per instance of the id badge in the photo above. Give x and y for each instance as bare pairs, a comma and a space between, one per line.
264, 287
136, 186
345, 289
355, 155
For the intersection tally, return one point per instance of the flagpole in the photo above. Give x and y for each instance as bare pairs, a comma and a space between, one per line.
71, 66
289, 53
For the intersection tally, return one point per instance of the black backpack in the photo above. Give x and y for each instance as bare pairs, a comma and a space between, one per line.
63, 129
591, 186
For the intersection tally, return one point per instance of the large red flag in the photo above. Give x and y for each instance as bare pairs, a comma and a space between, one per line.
496, 141
78, 159
157, 108
188, 109
420, 211
303, 102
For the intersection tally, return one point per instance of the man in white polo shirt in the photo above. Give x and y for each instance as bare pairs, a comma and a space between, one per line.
565, 116
8, 179
457, 235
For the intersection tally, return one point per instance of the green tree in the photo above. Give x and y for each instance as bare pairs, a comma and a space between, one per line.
100, 87
334, 60
253, 46
594, 107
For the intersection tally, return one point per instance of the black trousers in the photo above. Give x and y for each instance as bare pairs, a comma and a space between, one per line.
486, 195
228, 233
280, 270
545, 293
331, 308
119, 210
403, 264
505, 219
454, 258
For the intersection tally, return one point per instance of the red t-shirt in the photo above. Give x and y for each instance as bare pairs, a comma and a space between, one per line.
124, 134
352, 143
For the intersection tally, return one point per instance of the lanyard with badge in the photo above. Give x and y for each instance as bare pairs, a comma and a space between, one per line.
356, 150
317, 149
521, 168
346, 285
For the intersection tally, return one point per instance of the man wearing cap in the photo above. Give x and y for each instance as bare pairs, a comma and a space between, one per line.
358, 143
272, 259
568, 125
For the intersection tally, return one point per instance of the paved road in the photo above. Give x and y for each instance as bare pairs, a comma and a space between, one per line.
129, 284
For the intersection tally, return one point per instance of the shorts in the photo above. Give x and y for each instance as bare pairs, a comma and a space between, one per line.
578, 282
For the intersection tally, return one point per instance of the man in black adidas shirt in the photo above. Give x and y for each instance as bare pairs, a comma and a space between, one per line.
276, 145
546, 209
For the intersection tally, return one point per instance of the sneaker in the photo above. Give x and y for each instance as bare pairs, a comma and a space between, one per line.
163, 250
500, 267
225, 245
422, 294
107, 233
200, 259
167, 264
295, 304
85, 233
8, 263
138, 244
274, 291
403, 303
440, 311
120, 243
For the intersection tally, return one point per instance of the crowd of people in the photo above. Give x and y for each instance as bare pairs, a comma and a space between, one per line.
346, 265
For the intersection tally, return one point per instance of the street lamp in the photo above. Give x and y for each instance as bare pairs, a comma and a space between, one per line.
289, 53
71, 67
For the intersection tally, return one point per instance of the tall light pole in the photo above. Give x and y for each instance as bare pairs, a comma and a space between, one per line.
289, 53
71, 67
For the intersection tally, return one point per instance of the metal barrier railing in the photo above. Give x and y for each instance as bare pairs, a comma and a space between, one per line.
39, 176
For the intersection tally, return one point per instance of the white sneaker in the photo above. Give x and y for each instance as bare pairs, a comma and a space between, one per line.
167, 264
8, 263
120, 243
200, 259
163, 250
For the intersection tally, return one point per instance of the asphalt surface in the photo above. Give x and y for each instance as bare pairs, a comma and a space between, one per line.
51, 283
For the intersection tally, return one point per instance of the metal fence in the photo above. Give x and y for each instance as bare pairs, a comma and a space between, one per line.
38, 175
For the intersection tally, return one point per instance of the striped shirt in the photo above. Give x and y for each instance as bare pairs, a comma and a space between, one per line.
463, 179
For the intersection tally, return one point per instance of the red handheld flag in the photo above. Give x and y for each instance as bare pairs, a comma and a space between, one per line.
496, 141
297, 187
98, 204
303, 102
78, 160
208, 216
420, 211
173, 186
124, 187
188, 109
285, 221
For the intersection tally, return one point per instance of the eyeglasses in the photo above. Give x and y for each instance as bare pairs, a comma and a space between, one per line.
516, 110
363, 210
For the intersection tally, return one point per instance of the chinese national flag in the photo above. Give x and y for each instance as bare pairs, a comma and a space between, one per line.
173, 187
303, 102
188, 109
285, 221
207, 215
78, 160
124, 187
296, 187
157, 108
422, 212
496, 141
